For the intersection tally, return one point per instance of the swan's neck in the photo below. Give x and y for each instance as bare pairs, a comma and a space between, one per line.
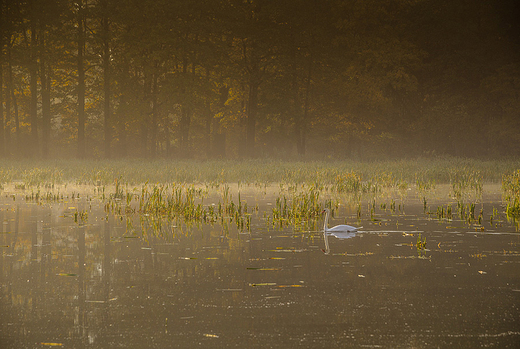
326, 239
326, 221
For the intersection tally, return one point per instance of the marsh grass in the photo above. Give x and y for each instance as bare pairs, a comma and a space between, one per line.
511, 190
344, 175
166, 191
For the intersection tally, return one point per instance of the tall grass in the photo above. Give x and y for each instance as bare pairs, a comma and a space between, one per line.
511, 189
343, 174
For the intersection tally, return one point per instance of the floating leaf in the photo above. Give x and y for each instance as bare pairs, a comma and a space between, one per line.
263, 284
482, 272
67, 274
210, 335
52, 344
263, 269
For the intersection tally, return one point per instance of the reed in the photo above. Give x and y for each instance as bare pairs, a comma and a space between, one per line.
511, 190
346, 176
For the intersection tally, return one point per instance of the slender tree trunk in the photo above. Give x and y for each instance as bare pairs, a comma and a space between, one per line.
46, 97
153, 143
252, 61
13, 100
7, 120
33, 72
252, 106
209, 122
185, 120
2, 129
147, 86
123, 109
81, 82
2, 38
106, 79
302, 125
184, 130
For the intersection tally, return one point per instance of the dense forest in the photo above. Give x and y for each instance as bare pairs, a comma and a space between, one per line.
259, 78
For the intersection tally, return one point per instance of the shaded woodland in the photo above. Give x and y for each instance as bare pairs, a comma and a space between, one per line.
258, 78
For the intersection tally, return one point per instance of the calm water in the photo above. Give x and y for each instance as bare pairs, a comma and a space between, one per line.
109, 283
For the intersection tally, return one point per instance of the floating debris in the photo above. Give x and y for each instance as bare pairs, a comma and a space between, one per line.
211, 335
52, 344
263, 284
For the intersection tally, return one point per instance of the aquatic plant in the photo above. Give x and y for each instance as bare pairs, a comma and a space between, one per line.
463, 179
511, 190
299, 207
345, 175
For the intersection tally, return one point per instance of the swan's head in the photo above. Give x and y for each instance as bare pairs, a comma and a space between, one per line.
326, 210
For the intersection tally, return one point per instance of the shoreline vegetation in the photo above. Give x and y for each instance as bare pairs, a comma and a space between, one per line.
419, 171
175, 190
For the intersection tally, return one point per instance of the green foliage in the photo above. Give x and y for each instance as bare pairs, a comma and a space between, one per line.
339, 176
511, 189
238, 79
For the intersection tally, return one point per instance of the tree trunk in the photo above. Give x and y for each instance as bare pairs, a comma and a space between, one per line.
106, 79
7, 119
153, 143
147, 86
2, 138
209, 121
2, 38
302, 125
12, 98
252, 106
46, 97
186, 111
81, 82
123, 110
184, 130
33, 85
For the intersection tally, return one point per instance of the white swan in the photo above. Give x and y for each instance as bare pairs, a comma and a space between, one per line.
343, 228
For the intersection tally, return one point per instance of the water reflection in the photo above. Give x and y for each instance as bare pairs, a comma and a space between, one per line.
337, 234
113, 283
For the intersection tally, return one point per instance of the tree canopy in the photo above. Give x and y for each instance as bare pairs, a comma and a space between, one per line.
259, 78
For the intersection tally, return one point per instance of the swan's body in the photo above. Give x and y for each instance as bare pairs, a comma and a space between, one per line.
338, 230
342, 234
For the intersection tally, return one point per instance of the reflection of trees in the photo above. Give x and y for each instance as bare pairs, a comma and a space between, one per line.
175, 288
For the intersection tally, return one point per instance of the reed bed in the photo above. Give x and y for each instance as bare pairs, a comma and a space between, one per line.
421, 171
176, 190
511, 190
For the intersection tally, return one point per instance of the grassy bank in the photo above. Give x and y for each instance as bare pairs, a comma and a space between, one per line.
420, 171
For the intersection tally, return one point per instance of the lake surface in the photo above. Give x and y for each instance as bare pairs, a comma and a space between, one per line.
110, 281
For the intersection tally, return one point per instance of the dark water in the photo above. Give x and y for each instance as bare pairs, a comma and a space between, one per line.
108, 284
